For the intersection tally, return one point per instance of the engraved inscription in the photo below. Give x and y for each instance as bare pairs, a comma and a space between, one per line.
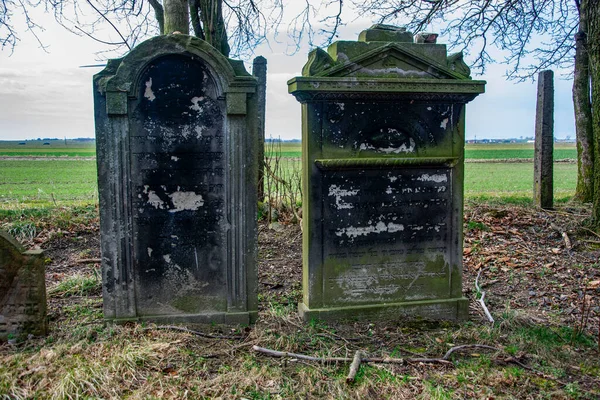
178, 190
386, 234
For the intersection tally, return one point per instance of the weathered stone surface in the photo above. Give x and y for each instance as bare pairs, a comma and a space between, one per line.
543, 167
22, 290
259, 70
385, 33
383, 152
177, 170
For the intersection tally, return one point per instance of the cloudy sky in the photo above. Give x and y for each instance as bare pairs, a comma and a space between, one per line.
47, 94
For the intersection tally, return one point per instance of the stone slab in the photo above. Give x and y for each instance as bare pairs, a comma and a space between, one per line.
177, 182
22, 290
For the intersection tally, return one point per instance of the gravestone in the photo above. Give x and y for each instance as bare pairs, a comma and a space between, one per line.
22, 290
383, 153
176, 149
543, 163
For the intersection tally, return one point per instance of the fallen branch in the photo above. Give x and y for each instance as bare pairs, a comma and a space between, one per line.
354, 366
481, 300
535, 371
591, 231
590, 241
88, 261
275, 353
184, 329
467, 346
385, 360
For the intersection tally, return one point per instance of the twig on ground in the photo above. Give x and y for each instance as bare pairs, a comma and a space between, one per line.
590, 241
184, 329
467, 346
481, 300
354, 366
591, 231
230, 350
535, 371
385, 360
88, 261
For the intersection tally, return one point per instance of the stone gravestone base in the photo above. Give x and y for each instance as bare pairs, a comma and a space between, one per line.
22, 290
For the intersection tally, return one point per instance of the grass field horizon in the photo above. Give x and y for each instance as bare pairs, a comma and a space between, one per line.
79, 148
65, 172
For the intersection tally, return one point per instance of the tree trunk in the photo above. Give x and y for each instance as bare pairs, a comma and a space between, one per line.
159, 14
211, 14
593, 14
583, 111
195, 17
176, 16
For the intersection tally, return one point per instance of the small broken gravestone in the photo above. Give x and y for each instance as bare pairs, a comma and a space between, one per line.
383, 155
176, 147
22, 290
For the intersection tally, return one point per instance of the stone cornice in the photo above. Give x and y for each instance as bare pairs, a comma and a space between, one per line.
321, 88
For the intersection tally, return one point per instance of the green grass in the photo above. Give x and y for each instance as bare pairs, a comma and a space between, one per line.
472, 151
285, 149
54, 148
45, 182
77, 285
59, 182
515, 179
516, 150
58, 148
52, 182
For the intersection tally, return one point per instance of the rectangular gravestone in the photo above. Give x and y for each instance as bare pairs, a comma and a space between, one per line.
383, 152
176, 137
22, 290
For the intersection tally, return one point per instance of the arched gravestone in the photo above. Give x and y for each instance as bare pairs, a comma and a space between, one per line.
176, 137
382, 158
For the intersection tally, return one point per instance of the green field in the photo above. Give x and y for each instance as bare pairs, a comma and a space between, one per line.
52, 181
516, 150
515, 180
46, 182
472, 151
58, 148
48, 148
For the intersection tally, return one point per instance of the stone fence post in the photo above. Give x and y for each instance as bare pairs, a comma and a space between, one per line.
544, 141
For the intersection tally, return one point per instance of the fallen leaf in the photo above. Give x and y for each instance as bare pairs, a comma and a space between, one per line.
593, 284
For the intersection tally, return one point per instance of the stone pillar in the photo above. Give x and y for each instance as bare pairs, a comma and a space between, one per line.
259, 70
544, 141
22, 290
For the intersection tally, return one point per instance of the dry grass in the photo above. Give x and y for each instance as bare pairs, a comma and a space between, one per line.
540, 353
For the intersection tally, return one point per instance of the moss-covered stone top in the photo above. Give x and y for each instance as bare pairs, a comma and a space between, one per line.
121, 74
385, 51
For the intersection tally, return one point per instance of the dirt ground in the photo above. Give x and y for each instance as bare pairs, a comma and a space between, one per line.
543, 263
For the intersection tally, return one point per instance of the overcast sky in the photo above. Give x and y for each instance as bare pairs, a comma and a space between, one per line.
48, 94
